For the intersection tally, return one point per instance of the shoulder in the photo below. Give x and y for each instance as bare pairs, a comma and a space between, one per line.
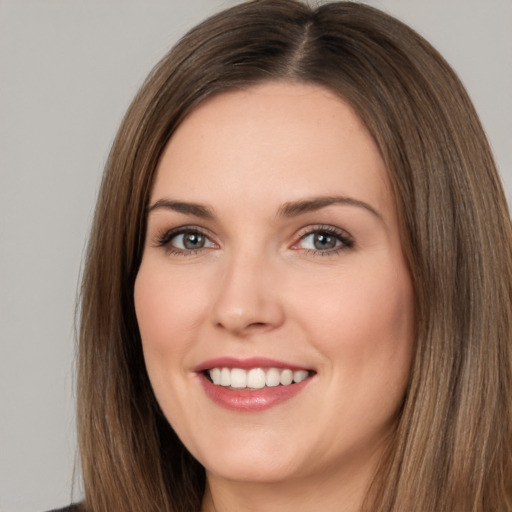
75, 507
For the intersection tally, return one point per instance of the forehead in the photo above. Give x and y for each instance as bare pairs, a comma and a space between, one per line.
277, 141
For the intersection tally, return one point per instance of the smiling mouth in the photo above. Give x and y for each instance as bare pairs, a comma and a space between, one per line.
255, 378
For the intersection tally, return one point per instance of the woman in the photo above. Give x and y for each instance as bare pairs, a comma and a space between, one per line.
297, 290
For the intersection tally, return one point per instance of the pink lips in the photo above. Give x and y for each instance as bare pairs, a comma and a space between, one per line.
245, 400
245, 364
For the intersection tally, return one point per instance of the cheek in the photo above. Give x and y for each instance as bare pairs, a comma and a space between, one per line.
168, 311
363, 321
369, 342
167, 308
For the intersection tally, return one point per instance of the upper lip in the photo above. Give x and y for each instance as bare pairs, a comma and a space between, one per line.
246, 364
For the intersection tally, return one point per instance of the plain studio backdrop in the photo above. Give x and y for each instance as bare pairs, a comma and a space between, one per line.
68, 70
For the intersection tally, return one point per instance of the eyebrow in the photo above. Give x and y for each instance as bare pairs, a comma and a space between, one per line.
296, 208
289, 209
182, 207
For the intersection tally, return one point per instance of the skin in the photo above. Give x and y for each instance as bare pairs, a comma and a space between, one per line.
260, 287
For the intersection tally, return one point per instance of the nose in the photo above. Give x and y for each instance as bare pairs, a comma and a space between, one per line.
248, 297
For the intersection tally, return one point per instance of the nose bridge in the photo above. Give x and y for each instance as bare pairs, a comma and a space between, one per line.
247, 297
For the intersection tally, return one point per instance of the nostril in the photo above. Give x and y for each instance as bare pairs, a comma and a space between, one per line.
257, 325
252, 327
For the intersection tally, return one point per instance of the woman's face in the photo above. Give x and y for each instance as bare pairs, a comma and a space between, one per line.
273, 255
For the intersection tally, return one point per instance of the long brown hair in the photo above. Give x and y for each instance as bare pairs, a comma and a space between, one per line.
452, 447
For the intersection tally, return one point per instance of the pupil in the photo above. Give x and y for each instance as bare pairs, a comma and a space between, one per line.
193, 241
324, 241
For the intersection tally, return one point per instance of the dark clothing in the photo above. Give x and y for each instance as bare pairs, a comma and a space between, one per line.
72, 508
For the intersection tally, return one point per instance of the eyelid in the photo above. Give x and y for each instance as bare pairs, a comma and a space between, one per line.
347, 240
163, 238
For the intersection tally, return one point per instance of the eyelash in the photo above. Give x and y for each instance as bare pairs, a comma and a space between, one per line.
164, 240
346, 241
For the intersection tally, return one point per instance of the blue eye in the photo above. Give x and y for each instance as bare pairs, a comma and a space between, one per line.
325, 240
185, 241
320, 241
189, 240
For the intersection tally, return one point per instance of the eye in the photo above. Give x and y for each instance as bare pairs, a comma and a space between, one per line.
324, 240
189, 240
185, 241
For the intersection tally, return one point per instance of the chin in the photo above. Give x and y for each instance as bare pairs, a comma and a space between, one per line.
256, 459
255, 471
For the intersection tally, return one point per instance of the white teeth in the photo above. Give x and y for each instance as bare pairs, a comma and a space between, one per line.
300, 375
238, 378
256, 378
286, 377
225, 377
273, 377
215, 375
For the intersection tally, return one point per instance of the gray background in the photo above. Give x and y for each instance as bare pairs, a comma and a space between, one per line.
68, 69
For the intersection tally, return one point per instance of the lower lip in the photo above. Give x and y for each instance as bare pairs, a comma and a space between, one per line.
251, 400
